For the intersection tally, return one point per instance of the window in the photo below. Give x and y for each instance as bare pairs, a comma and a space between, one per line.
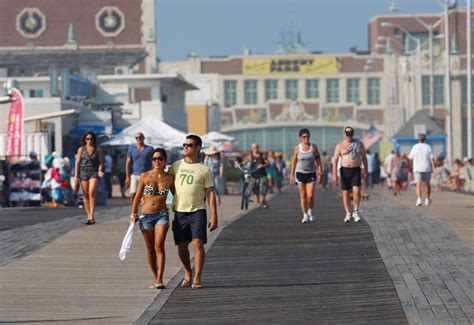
425, 90
312, 88
438, 90
230, 93
410, 42
36, 93
332, 90
438, 93
373, 91
271, 89
250, 89
352, 90
291, 89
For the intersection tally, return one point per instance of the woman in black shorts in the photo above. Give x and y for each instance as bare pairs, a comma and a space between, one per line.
88, 168
303, 172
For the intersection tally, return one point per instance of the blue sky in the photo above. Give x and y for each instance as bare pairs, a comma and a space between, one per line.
224, 27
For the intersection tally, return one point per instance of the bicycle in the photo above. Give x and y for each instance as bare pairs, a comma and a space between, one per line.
246, 190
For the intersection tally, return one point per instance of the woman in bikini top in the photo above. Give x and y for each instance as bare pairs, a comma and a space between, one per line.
153, 188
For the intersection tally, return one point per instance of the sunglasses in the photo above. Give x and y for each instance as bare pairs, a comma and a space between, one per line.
138, 138
190, 145
158, 159
89, 138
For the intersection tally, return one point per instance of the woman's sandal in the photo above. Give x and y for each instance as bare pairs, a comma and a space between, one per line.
196, 286
157, 286
186, 283
92, 221
265, 205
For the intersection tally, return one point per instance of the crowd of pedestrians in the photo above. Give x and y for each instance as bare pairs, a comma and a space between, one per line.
198, 179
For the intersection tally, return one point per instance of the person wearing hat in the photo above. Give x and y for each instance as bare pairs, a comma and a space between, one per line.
214, 162
352, 154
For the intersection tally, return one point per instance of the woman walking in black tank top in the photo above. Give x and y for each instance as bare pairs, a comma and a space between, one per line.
88, 168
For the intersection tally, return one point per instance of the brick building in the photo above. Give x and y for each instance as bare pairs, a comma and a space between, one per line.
98, 57
268, 98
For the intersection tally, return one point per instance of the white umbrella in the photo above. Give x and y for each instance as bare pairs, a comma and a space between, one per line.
156, 132
214, 136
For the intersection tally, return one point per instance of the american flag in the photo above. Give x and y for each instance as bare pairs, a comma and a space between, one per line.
370, 137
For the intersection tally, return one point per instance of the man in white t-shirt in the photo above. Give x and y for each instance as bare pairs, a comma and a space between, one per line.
388, 167
423, 164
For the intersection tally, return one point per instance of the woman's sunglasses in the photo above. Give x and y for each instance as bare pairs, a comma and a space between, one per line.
88, 138
158, 159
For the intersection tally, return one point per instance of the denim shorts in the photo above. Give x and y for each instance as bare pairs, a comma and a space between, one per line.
148, 221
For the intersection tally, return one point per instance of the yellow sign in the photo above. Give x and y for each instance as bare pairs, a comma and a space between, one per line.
291, 65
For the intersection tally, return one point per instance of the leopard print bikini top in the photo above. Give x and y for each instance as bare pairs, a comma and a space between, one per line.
150, 190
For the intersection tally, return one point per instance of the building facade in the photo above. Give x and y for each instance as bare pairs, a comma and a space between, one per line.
416, 46
268, 98
97, 57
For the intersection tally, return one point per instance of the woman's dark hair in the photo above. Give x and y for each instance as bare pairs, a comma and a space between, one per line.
94, 137
160, 150
304, 131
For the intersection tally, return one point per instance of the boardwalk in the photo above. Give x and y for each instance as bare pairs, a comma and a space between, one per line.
267, 267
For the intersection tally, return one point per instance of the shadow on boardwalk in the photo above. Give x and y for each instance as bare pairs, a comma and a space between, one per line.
267, 267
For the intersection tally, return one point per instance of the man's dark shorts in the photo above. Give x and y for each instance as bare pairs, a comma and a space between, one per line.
189, 225
350, 177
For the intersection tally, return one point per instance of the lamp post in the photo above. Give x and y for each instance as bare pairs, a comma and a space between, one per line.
445, 5
418, 64
447, 72
394, 8
469, 79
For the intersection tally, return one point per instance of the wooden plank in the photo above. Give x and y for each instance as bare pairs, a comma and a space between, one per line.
267, 267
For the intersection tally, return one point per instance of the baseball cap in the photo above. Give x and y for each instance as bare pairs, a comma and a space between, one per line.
349, 131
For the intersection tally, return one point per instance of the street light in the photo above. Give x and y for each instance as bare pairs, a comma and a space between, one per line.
394, 8
385, 24
446, 5
469, 79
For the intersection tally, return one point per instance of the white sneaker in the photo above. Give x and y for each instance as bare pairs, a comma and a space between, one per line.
356, 215
310, 215
347, 218
418, 202
305, 218
428, 201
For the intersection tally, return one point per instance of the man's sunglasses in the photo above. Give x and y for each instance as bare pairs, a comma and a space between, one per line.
138, 138
158, 159
190, 145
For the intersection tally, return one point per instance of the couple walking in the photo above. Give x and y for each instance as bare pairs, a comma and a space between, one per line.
191, 183
306, 159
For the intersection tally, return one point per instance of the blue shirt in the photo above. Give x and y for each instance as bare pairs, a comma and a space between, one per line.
141, 160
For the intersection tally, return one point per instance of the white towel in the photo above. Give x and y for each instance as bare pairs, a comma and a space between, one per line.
127, 242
